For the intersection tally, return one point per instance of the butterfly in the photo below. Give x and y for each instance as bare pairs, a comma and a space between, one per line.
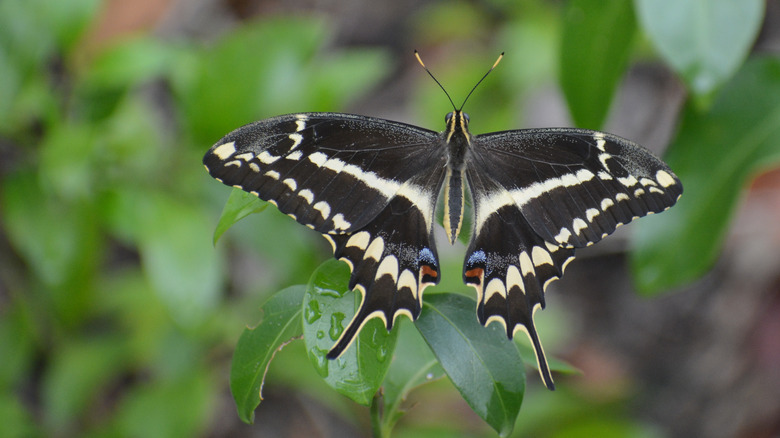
371, 186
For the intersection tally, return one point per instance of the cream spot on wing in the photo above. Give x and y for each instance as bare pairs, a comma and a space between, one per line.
604, 176
603, 158
339, 223
359, 240
388, 266
406, 279
318, 158
267, 158
526, 265
621, 197
513, 278
647, 182
273, 174
324, 209
664, 178
307, 195
541, 257
255, 168
224, 151
600, 142
246, 156
495, 286
289, 182
563, 236
579, 225
591, 213
295, 156
606, 203
628, 181
375, 249
296, 138
300, 122
236, 163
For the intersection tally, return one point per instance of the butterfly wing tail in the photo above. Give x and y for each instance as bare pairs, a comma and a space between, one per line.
510, 271
392, 261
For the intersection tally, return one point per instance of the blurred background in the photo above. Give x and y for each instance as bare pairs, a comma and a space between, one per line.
118, 316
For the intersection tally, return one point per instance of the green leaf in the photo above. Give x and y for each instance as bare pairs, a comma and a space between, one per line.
239, 205
252, 82
596, 44
80, 369
130, 62
18, 333
180, 262
17, 421
177, 255
481, 362
59, 240
705, 41
346, 75
289, 75
327, 308
180, 406
55, 237
413, 365
256, 348
67, 158
716, 153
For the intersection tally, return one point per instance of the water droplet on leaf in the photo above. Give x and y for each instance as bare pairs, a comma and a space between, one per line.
336, 325
320, 361
312, 312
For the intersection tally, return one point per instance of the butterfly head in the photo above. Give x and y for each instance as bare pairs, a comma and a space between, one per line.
457, 123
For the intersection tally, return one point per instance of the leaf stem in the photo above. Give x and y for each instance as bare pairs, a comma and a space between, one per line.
377, 408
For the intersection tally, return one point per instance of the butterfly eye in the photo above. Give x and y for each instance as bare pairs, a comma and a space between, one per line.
466, 116
448, 117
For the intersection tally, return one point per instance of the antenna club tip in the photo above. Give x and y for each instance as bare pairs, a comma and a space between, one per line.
500, 57
417, 55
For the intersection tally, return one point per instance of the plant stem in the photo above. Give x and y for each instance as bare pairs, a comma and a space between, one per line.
377, 430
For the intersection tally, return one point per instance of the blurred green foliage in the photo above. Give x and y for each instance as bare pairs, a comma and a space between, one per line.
118, 315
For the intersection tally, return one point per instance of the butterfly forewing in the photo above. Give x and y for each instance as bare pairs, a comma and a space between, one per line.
332, 172
574, 186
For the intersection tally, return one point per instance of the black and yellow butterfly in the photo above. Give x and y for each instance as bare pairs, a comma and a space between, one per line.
371, 186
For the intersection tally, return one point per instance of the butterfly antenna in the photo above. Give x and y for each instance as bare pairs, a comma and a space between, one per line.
501, 56
417, 55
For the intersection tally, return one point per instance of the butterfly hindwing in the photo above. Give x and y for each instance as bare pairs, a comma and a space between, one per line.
392, 259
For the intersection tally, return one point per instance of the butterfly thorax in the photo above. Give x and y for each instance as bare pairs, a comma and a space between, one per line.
458, 141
